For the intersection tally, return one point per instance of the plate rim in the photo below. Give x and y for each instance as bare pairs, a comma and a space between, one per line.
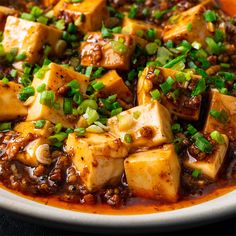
205, 212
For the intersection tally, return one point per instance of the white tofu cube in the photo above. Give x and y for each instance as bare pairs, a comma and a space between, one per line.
211, 165
147, 82
55, 77
11, 107
148, 125
114, 84
27, 127
87, 15
179, 31
99, 158
31, 38
110, 53
154, 174
226, 123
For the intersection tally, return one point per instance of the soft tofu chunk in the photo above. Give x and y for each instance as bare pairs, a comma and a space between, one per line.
178, 31
99, 158
27, 127
11, 107
114, 84
4, 13
211, 165
31, 38
149, 126
29, 154
226, 105
183, 107
87, 15
154, 174
139, 28
110, 53
55, 77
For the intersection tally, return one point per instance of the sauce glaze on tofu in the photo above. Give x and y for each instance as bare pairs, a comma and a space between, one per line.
118, 106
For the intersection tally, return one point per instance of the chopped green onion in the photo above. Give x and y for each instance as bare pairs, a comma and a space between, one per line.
176, 128
221, 116
116, 111
41, 88
27, 16
167, 85
105, 32
91, 115
196, 173
13, 73
189, 26
67, 106
117, 30
39, 124
80, 131
151, 34
210, 16
128, 138
88, 71
87, 103
217, 136
133, 12
58, 128
191, 130
174, 61
5, 126
151, 48
47, 98
58, 138
98, 85
20, 57
26, 92
5, 80
155, 94
42, 20
119, 47
199, 88
203, 144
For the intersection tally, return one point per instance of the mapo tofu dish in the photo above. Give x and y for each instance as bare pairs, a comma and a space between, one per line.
113, 103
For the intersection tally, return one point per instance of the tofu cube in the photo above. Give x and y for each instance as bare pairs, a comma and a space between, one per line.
27, 127
11, 106
4, 13
29, 154
110, 53
87, 15
139, 28
154, 173
211, 165
31, 38
114, 84
99, 158
179, 31
55, 77
182, 106
226, 105
148, 125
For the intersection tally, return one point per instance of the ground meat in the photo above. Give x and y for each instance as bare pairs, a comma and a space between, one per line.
17, 144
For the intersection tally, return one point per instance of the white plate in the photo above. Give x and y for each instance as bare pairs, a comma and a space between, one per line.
210, 211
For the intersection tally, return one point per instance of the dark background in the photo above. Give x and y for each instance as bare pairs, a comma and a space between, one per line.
10, 226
